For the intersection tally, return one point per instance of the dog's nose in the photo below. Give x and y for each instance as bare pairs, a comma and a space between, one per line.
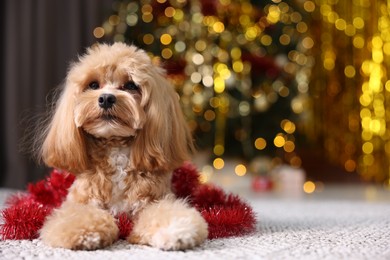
106, 101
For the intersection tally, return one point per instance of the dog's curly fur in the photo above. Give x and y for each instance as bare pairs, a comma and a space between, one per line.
118, 127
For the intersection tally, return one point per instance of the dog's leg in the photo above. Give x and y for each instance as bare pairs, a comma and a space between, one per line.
78, 226
169, 224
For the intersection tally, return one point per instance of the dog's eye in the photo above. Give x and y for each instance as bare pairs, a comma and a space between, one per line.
130, 86
93, 85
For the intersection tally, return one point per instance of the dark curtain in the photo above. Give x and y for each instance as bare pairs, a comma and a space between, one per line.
40, 39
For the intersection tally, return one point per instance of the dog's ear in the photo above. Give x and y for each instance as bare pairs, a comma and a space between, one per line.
165, 141
63, 144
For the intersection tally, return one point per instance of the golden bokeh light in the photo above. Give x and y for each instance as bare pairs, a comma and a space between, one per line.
148, 38
170, 11
166, 53
219, 150
260, 143
98, 32
350, 165
309, 187
240, 170
218, 163
166, 39
279, 141
289, 146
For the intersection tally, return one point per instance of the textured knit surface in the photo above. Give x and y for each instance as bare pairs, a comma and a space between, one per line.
287, 229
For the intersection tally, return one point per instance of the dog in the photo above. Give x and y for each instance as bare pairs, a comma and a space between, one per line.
118, 127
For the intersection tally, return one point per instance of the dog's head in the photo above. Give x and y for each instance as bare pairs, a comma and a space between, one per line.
114, 91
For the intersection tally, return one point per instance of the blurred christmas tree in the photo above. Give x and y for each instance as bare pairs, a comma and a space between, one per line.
241, 68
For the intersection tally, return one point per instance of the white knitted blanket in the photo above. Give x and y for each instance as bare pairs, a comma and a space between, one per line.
287, 229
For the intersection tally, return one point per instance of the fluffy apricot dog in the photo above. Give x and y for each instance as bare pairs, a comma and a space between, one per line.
118, 127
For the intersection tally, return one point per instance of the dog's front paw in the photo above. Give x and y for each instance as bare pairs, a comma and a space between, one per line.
79, 227
88, 241
180, 234
169, 225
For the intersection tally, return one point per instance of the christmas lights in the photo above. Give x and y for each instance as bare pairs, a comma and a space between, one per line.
234, 63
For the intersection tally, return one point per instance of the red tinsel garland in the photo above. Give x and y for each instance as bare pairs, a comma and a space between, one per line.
226, 215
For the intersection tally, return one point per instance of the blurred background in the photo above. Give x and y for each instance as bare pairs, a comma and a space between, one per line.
279, 94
